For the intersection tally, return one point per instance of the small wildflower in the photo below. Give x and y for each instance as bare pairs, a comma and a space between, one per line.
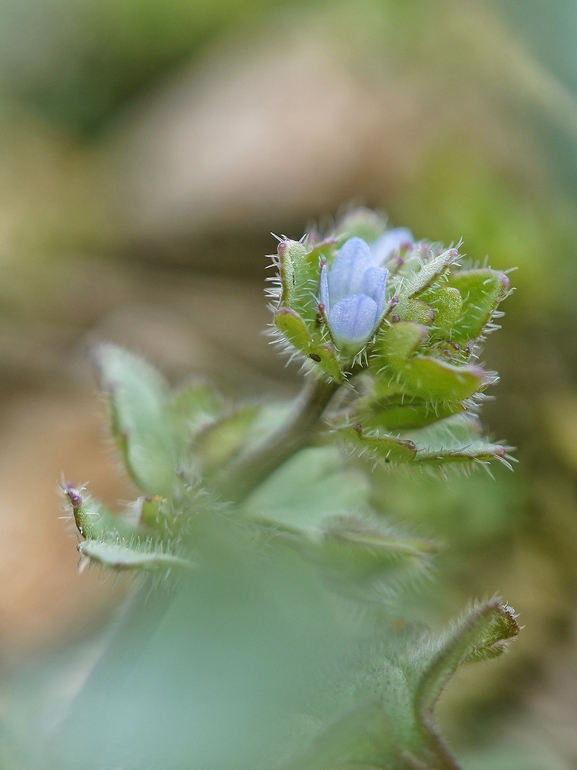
352, 294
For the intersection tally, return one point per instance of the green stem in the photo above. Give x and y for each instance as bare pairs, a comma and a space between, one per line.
297, 432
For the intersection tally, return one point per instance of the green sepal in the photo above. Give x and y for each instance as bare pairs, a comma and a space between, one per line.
223, 439
387, 448
296, 332
137, 395
431, 271
290, 255
415, 310
418, 374
447, 305
299, 276
401, 412
326, 358
429, 377
455, 439
121, 556
325, 249
481, 290
293, 328
396, 342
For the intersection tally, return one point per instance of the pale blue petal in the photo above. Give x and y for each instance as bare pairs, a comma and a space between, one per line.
352, 321
348, 269
374, 286
324, 288
385, 246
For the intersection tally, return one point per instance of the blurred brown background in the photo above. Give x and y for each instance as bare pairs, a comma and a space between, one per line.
148, 149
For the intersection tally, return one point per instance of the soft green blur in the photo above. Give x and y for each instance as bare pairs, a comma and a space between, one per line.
456, 120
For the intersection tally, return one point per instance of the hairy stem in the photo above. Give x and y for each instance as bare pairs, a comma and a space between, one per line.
297, 432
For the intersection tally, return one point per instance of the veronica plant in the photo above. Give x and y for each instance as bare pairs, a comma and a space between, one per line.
245, 647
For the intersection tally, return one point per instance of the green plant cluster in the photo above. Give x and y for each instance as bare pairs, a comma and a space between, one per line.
263, 560
416, 386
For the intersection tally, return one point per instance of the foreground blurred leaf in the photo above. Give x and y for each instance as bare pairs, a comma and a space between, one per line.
310, 486
213, 674
393, 726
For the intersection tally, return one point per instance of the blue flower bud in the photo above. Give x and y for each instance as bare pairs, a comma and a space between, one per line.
390, 242
352, 294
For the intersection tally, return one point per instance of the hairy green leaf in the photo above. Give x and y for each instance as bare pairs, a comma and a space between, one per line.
484, 632
137, 396
455, 439
430, 271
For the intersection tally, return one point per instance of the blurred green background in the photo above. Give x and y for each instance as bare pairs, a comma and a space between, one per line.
148, 148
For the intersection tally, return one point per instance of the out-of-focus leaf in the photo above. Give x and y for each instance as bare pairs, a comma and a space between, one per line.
406, 685
242, 644
361, 223
310, 486
484, 632
137, 397
193, 401
362, 557
223, 439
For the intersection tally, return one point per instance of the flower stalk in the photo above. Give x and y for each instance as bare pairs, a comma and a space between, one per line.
297, 432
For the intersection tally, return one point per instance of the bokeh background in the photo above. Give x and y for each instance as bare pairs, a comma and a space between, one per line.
147, 150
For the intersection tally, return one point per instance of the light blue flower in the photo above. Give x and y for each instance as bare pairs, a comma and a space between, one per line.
390, 242
352, 292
